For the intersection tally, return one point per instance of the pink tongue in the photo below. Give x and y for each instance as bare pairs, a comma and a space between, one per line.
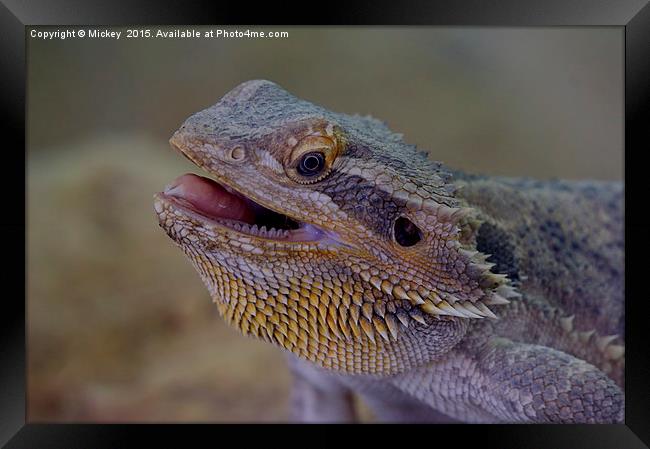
210, 198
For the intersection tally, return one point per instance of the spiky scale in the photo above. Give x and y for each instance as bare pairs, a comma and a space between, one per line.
434, 297
376, 282
367, 328
614, 352
354, 313
468, 253
251, 309
268, 331
343, 313
380, 308
302, 343
391, 323
313, 326
603, 342
315, 299
345, 329
281, 309
447, 309
282, 328
322, 309
490, 279
472, 308
415, 297
324, 334
293, 338
481, 257
267, 310
417, 316
380, 327
333, 311
431, 309
255, 328
567, 323
229, 315
495, 299
403, 318
355, 329
400, 293
279, 337
486, 311
336, 300
366, 309
483, 267
585, 336
293, 326
461, 313
293, 295
386, 287
332, 325
306, 323
245, 326
507, 291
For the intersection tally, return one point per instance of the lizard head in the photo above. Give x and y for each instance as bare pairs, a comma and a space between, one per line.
325, 233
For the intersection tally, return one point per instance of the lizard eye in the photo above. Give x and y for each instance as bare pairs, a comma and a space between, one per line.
311, 159
311, 164
406, 233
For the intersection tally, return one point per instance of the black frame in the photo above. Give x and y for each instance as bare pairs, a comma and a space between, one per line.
632, 15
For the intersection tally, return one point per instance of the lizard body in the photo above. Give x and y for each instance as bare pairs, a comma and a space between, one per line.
434, 294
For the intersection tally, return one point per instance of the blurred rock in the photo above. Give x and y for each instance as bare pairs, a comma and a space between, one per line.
120, 327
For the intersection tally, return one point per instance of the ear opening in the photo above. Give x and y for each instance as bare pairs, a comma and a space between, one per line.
405, 232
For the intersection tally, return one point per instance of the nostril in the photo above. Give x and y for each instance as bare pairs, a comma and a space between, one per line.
177, 145
237, 154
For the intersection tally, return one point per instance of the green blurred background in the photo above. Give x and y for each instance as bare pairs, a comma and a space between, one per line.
120, 327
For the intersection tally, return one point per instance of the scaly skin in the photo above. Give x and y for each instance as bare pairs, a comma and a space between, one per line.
509, 307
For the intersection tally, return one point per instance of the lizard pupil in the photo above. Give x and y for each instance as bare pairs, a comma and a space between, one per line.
311, 164
406, 233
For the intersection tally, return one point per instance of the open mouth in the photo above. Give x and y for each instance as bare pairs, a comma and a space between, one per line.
218, 204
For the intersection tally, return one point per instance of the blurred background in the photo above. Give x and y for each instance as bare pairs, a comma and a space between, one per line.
120, 327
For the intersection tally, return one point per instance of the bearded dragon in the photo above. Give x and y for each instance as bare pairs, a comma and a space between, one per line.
432, 294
